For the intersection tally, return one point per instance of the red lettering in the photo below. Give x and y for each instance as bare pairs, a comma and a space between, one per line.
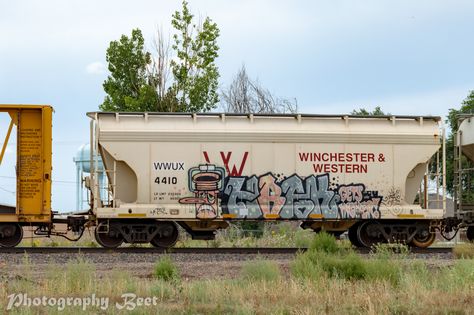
348, 168
318, 168
206, 157
234, 171
304, 156
226, 160
339, 168
355, 168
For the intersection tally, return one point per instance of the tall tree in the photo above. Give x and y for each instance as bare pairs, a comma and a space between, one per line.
247, 96
183, 78
194, 70
128, 87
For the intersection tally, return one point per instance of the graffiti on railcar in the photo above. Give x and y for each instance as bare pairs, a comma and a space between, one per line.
270, 196
205, 181
355, 202
307, 196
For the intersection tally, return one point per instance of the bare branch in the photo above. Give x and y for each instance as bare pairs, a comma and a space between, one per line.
160, 67
247, 96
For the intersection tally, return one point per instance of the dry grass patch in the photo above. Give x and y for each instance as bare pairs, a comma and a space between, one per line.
261, 270
465, 250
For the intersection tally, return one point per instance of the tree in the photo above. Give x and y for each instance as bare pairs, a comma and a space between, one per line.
194, 70
139, 81
364, 112
247, 96
128, 87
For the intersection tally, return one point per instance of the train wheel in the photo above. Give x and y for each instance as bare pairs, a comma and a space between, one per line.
108, 237
423, 242
352, 233
10, 235
368, 234
424, 238
470, 233
167, 235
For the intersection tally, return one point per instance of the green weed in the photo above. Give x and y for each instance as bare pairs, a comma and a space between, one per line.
324, 242
305, 268
390, 250
166, 270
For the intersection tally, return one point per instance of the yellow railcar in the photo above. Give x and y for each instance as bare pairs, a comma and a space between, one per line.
33, 124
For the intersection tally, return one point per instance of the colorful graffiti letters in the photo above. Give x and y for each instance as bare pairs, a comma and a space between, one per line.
239, 201
297, 198
292, 197
270, 199
356, 203
311, 195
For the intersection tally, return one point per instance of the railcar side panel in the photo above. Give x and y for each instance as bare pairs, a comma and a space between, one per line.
270, 167
34, 151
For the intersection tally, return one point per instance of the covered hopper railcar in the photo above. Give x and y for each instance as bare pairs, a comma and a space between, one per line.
367, 175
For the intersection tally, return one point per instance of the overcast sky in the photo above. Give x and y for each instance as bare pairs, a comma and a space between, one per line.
409, 57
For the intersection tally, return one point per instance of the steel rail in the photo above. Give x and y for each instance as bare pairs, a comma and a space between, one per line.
190, 250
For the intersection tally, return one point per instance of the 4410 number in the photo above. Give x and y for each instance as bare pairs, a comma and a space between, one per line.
167, 180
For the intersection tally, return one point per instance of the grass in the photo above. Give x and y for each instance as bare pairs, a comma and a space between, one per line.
324, 242
260, 270
327, 279
464, 250
327, 258
166, 270
419, 290
274, 234
387, 251
72, 278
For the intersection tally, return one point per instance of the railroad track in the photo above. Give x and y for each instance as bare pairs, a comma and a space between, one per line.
188, 250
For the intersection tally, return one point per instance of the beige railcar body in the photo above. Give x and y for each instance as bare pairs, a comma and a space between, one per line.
302, 167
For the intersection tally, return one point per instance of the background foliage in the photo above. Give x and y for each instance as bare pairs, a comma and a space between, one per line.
138, 79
